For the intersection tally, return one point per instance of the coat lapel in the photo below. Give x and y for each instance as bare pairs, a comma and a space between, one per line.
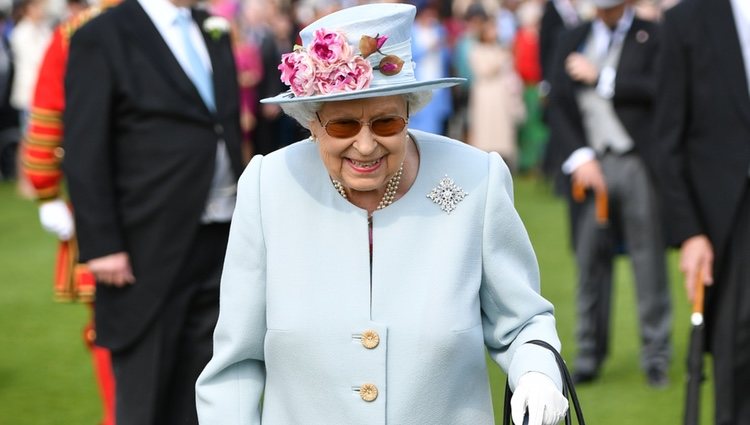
636, 34
142, 30
723, 36
581, 34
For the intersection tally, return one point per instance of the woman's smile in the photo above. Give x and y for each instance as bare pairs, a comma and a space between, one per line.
364, 166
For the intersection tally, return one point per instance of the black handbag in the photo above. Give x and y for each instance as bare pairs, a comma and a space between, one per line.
568, 391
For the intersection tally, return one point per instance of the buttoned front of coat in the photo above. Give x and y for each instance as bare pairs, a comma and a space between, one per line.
328, 339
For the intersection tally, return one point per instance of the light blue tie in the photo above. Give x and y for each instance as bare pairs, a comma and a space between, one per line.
198, 73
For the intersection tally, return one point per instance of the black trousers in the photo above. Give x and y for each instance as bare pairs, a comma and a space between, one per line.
729, 325
155, 377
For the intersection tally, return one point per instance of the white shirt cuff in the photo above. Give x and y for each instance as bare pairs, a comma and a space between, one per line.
578, 157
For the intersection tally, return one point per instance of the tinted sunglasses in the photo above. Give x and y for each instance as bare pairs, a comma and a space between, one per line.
384, 126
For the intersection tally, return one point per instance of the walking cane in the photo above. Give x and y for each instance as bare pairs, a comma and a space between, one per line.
605, 244
695, 356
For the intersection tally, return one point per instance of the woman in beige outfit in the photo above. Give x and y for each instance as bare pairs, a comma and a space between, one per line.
495, 102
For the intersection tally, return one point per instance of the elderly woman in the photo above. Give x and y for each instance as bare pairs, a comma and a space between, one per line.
369, 266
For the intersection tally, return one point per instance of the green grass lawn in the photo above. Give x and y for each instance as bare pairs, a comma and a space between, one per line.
46, 378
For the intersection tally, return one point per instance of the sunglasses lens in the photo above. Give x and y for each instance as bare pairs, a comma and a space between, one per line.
387, 126
343, 128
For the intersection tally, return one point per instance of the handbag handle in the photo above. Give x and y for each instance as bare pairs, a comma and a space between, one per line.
568, 391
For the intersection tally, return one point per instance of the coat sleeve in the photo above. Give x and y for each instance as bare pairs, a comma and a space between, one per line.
89, 163
672, 118
41, 148
513, 311
229, 390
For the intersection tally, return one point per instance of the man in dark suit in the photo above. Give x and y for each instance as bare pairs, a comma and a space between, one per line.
603, 84
152, 142
704, 134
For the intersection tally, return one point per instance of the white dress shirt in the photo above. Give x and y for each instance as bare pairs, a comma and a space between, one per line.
163, 14
741, 11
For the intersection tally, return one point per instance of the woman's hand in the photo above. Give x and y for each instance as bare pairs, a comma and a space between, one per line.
537, 393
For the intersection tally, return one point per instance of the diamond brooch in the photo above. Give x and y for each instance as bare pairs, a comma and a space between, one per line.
447, 194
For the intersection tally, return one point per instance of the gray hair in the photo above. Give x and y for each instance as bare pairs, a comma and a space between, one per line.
304, 112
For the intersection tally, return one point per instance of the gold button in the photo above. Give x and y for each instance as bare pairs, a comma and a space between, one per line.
59, 152
368, 392
370, 339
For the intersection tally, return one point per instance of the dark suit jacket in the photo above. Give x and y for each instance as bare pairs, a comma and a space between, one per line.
550, 29
703, 121
635, 87
140, 149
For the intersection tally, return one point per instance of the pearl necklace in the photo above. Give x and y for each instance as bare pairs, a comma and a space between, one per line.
390, 189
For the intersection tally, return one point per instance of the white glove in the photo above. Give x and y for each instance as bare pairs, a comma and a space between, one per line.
537, 392
56, 218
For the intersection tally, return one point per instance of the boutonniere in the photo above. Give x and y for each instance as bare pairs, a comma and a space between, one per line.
216, 26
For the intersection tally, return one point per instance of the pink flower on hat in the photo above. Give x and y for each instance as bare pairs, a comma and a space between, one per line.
369, 45
330, 47
390, 65
351, 76
298, 72
329, 64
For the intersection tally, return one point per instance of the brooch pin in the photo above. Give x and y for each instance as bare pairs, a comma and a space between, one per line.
641, 36
447, 194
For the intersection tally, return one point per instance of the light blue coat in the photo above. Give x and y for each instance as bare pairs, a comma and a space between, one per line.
296, 295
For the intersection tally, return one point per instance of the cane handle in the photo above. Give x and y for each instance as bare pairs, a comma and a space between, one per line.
601, 202
578, 192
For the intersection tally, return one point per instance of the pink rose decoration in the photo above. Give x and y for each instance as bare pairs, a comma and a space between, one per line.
330, 47
298, 72
351, 76
329, 64
288, 65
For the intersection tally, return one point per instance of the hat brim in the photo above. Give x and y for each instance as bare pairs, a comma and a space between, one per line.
394, 89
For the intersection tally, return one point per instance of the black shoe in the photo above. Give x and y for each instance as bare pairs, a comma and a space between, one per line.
657, 377
581, 377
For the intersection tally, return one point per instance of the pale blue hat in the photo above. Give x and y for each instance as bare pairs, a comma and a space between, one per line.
393, 20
